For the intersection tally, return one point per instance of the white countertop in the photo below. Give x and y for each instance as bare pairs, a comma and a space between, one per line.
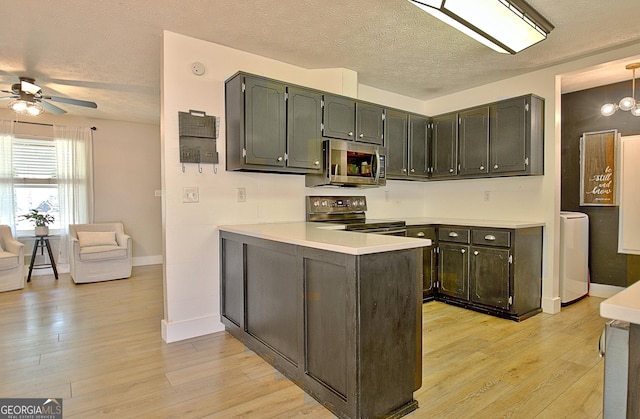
326, 237
472, 222
624, 306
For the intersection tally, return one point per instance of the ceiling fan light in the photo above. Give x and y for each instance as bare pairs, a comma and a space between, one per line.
608, 109
25, 107
636, 110
627, 103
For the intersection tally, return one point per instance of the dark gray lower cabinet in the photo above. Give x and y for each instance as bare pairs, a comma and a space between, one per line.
497, 271
429, 265
345, 328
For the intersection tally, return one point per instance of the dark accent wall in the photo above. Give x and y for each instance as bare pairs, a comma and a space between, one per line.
580, 114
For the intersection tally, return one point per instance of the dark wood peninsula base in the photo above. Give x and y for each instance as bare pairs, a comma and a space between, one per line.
345, 328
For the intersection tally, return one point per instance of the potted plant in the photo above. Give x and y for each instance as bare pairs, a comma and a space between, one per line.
41, 221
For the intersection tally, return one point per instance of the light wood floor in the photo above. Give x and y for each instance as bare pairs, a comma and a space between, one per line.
98, 347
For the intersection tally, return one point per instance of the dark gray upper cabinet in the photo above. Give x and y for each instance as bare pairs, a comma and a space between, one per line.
396, 134
369, 123
444, 140
517, 136
418, 147
265, 129
349, 119
304, 122
407, 142
339, 117
271, 126
474, 141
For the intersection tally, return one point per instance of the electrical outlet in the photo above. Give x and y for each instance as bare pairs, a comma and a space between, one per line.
190, 195
241, 195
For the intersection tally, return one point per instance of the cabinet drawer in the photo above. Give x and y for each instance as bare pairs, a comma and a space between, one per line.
492, 237
452, 234
422, 232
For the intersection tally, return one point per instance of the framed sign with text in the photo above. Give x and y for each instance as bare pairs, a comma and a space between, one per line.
598, 168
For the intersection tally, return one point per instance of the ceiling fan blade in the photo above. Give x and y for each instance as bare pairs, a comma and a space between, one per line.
8, 97
77, 102
51, 108
7, 91
28, 87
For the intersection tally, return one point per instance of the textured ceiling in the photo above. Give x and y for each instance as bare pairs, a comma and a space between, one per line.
109, 51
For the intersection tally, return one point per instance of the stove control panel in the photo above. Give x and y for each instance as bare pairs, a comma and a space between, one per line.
336, 204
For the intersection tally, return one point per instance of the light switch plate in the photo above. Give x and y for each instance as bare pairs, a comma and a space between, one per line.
190, 195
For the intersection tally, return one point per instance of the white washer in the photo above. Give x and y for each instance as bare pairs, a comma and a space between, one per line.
574, 256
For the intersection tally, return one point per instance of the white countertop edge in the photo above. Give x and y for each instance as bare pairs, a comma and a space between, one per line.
316, 236
470, 222
624, 306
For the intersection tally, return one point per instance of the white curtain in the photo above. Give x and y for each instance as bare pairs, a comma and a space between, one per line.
74, 149
6, 175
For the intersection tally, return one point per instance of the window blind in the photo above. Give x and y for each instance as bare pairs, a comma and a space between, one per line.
34, 161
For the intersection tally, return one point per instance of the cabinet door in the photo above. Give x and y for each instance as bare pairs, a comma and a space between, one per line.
509, 136
418, 146
396, 125
453, 270
474, 141
445, 145
489, 279
339, 117
369, 123
265, 122
429, 268
304, 136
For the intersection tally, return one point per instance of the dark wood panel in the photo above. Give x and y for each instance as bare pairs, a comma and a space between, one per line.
271, 299
453, 270
327, 331
390, 285
232, 281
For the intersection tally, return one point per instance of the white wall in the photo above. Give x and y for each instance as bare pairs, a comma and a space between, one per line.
190, 235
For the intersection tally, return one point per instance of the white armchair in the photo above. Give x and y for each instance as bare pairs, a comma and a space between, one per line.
11, 261
99, 252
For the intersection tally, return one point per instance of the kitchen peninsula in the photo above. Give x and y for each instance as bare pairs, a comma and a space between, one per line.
338, 313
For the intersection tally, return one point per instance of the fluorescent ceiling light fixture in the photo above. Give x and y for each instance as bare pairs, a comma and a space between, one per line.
506, 26
628, 103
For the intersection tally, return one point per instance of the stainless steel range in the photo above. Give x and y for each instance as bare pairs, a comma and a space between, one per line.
350, 211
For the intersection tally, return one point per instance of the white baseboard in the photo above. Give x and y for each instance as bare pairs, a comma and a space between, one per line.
148, 260
176, 331
551, 305
604, 290
63, 268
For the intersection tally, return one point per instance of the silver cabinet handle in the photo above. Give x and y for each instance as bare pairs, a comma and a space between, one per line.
413, 170
404, 170
420, 234
279, 158
463, 251
451, 170
495, 166
490, 237
475, 253
453, 234
317, 163
350, 133
361, 135
481, 167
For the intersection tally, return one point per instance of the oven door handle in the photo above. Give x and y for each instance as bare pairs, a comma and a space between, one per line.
377, 178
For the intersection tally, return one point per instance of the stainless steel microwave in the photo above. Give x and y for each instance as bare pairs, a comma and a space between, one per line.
348, 163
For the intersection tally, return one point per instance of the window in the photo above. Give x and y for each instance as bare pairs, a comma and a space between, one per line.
35, 180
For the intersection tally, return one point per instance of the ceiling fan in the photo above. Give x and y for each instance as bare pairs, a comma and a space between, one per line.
27, 98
